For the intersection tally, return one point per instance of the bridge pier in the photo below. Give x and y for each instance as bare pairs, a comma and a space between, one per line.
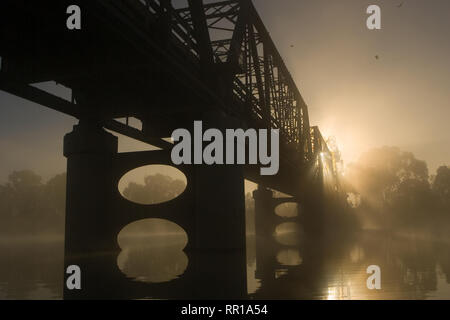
90, 231
313, 203
220, 248
217, 238
266, 221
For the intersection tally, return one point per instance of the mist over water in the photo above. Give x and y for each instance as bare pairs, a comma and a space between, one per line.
413, 267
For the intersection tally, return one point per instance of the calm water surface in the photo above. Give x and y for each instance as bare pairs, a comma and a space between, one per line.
412, 267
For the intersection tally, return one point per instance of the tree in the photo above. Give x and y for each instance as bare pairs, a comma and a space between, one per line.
381, 173
55, 195
25, 188
27, 205
441, 185
392, 182
156, 189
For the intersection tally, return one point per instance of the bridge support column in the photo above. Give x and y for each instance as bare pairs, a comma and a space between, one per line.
264, 229
220, 235
313, 203
90, 238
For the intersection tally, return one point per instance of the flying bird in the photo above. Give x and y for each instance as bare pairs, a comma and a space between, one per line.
377, 57
401, 4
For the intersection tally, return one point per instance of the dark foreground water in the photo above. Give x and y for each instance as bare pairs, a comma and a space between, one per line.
412, 267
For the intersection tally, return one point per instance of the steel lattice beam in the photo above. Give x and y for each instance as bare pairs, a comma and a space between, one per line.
220, 51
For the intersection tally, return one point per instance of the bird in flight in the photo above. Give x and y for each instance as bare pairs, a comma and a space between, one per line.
401, 4
377, 57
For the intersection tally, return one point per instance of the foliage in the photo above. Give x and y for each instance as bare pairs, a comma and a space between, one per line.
441, 186
395, 187
27, 205
156, 189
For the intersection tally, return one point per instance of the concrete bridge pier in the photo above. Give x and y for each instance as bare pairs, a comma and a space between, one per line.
313, 204
217, 240
220, 234
90, 232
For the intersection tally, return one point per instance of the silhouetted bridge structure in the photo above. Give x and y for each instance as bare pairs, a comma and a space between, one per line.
166, 64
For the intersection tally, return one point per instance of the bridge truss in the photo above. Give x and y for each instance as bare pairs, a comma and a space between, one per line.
161, 61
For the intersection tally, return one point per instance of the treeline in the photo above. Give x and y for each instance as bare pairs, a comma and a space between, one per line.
391, 188
29, 206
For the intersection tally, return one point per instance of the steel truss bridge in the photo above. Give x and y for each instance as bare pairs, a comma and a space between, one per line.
166, 63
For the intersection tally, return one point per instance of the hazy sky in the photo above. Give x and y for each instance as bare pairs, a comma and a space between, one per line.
402, 99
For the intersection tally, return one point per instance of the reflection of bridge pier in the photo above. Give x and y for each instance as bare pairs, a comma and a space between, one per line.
266, 223
277, 279
264, 229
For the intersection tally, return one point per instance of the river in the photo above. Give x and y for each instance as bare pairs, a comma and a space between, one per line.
412, 267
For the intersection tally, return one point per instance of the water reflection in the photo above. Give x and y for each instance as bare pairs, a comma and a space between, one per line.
31, 268
289, 257
412, 267
288, 234
152, 251
152, 263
